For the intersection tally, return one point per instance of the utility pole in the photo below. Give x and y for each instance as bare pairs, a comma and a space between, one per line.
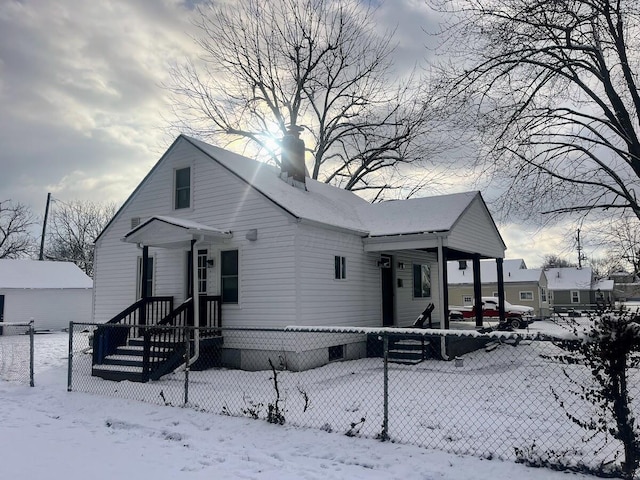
44, 227
580, 255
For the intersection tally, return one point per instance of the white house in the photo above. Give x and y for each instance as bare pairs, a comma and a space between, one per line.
280, 249
50, 293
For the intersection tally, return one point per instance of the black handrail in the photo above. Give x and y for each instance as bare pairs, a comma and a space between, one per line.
143, 312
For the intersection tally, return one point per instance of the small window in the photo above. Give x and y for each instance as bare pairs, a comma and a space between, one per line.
543, 294
336, 352
575, 296
421, 281
340, 268
182, 197
494, 294
526, 296
229, 276
462, 264
467, 300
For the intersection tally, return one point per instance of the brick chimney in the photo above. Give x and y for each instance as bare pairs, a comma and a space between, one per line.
292, 159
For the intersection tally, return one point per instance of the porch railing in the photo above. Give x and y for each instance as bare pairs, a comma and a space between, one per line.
146, 311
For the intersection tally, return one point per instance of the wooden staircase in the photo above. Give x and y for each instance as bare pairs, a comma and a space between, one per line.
409, 351
149, 339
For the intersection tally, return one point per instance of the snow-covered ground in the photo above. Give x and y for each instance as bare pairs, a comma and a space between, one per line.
49, 432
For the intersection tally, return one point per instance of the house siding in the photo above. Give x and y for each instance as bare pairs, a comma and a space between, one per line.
220, 200
476, 232
50, 309
323, 299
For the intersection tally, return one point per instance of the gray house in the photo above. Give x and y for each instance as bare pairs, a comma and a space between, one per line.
522, 285
271, 247
576, 288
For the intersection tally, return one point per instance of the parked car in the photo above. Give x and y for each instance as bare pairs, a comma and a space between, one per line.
517, 316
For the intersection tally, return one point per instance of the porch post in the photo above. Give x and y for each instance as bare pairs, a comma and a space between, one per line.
145, 285
477, 289
500, 271
442, 276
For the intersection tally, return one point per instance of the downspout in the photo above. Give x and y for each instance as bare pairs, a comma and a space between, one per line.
195, 296
444, 320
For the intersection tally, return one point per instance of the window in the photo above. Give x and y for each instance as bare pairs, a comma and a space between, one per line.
229, 276
421, 281
336, 352
526, 296
149, 280
494, 294
340, 268
182, 188
467, 300
543, 294
575, 296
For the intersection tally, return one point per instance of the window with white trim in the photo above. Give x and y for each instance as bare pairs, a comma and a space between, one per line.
526, 296
575, 296
182, 188
340, 267
543, 294
229, 276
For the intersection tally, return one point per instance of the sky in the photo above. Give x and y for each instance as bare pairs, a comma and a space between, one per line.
48, 432
84, 114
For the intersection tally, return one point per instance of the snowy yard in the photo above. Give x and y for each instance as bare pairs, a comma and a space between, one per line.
495, 401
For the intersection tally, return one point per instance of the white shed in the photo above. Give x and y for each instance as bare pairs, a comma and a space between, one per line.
50, 293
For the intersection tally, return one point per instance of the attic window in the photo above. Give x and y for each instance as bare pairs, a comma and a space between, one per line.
182, 194
462, 264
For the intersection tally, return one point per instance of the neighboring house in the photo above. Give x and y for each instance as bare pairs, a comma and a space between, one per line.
522, 286
52, 294
626, 286
576, 288
280, 249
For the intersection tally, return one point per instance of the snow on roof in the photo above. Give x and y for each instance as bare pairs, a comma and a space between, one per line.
417, 215
337, 207
605, 285
515, 271
569, 278
35, 274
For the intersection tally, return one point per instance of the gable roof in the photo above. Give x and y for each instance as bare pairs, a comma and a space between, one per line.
569, 278
330, 206
31, 274
515, 271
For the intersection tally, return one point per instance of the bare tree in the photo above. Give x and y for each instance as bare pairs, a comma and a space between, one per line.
317, 64
555, 261
73, 228
620, 237
551, 87
16, 220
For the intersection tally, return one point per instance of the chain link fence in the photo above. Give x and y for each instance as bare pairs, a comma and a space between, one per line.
16, 352
510, 397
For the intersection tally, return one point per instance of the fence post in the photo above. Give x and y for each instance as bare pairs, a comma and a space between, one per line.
385, 420
70, 363
187, 357
31, 332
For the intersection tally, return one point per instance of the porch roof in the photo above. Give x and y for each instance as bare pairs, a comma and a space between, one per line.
170, 232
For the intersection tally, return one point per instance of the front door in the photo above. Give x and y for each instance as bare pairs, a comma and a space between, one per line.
1, 312
202, 273
387, 290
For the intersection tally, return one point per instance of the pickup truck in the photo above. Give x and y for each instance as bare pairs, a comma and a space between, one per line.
517, 316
